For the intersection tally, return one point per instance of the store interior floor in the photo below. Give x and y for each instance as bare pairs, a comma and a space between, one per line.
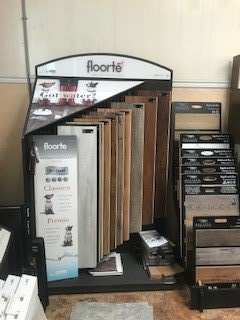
167, 305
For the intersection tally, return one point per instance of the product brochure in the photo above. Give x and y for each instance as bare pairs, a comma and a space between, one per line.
56, 203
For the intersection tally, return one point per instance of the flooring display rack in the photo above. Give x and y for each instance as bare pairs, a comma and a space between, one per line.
210, 297
88, 81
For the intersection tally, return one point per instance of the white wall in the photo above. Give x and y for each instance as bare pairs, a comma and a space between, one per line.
196, 38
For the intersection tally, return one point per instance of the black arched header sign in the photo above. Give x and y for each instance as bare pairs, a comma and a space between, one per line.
70, 84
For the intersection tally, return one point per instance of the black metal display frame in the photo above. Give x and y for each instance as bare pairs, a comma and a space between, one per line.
211, 297
135, 278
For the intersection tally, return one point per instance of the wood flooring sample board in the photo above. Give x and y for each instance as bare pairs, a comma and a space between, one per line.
107, 177
136, 163
217, 243
114, 165
196, 116
207, 201
120, 117
87, 192
218, 274
149, 159
127, 168
162, 148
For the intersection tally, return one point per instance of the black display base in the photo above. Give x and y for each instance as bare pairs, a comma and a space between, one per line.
204, 298
134, 278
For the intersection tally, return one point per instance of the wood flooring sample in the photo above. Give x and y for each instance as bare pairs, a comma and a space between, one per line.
107, 177
149, 160
114, 165
217, 237
162, 149
196, 116
208, 205
87, 192
197, 121
170, 270
218, 256
218, 274
136, 163
120, 170
127, 169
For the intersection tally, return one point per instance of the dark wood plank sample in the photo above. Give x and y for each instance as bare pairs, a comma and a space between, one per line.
149, 160
137, 150
162, 149
107, 178
217, 237
127, 168
114, 165
217, 256
218, 274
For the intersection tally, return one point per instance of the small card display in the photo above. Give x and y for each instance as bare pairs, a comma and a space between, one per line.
55, 186
217, 249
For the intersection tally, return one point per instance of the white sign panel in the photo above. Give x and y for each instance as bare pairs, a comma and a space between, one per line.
104, 66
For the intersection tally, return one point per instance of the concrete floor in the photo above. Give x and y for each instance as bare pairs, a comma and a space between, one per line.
167, 305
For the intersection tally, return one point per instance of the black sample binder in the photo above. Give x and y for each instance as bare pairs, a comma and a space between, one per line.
6, 252
16, 220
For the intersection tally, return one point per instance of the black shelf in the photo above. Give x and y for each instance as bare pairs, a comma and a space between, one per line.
134, 278
203, 297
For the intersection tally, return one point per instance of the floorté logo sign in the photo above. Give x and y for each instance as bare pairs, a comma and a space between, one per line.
111, 68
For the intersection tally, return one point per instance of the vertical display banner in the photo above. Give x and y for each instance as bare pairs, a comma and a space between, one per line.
56, 205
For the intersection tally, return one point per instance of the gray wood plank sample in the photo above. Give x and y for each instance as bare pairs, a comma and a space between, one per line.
207, 205
107, 177
217, 237
217, 256
136, 201
87, 192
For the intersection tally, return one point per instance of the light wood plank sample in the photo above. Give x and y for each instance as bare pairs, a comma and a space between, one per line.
149, 160
218, 274
127, 170
200, 121
136, 163
114, 165
217, 256
100, 173
162, 149
217, 237
107, 177
120, 170
87, 192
